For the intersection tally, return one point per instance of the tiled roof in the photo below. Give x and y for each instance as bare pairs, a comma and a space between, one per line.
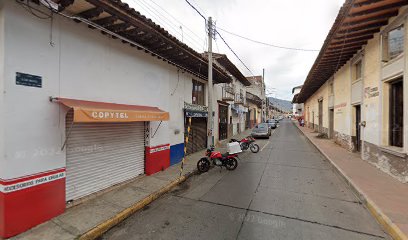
128, 24
356, 23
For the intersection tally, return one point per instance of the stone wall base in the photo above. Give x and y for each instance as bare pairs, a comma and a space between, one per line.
395, 166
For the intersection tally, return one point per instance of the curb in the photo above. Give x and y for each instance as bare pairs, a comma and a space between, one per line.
391, 228
108, 224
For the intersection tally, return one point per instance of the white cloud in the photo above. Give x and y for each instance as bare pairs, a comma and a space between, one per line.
291, 23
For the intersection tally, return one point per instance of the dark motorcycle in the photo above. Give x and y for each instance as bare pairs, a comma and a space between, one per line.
226, 160
248, 142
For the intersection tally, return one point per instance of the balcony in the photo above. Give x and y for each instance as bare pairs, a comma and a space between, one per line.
228, 93
253, 99
239, 99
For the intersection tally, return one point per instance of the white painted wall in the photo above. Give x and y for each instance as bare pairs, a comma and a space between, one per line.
83, 64
2, 153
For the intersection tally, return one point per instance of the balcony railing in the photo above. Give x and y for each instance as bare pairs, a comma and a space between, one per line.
228, 93
239, 98
253, 98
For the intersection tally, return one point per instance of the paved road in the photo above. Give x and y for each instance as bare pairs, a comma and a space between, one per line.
286, 191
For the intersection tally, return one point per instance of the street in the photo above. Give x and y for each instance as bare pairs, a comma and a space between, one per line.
286, 191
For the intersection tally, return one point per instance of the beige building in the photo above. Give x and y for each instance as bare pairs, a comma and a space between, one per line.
256, 100
356, 89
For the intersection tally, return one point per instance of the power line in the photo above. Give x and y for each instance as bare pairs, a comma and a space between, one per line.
165, 21
236, 55
192, 6
268, 44
181, 23
222, 38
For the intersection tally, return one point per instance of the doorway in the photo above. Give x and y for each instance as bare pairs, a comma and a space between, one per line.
396, 118
197, 138
357, 126
313, 121
331, 123
223, 122
320, 116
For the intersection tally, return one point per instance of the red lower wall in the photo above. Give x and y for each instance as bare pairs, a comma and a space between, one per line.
23, 209
157, 158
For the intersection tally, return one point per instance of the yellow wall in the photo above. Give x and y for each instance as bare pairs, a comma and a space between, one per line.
312, 106
342, 97
371, 74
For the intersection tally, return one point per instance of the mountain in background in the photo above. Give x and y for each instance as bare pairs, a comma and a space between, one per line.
284, 105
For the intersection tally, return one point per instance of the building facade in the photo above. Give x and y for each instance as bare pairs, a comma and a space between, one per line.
231, 109
297, 108
359, 98
257, 110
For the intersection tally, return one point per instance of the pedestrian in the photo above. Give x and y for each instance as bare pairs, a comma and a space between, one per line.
302, 122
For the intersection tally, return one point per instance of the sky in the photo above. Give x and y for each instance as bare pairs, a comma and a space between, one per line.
289, 23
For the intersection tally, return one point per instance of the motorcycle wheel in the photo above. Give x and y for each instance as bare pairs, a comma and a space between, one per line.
231, 164
244, 146
203, 165
254, 148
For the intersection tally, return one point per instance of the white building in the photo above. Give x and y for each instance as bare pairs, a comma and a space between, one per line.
87, 104
297, 108
231, 107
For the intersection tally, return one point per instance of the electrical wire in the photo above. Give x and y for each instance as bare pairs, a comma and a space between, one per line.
166, 21
268, 44
178, 21
192, 6
222, 38
31, 9
233, 52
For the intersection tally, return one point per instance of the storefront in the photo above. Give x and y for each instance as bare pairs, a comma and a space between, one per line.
195, 127
105, 144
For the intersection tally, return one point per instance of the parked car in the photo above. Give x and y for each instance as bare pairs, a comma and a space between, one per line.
272, 123
261, 130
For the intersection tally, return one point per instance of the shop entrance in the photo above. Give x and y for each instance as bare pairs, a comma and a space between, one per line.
100, 155
197, 138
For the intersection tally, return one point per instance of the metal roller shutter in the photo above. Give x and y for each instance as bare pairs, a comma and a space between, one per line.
198, 135
100, 155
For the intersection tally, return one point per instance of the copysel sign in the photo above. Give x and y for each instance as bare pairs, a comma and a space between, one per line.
92, 115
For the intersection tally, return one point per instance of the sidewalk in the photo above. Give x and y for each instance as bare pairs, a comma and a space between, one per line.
90, 219
385, 197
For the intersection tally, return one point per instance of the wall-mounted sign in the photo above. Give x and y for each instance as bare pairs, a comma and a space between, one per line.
370, 92
195, 107
196, 114
29, 80
341, 105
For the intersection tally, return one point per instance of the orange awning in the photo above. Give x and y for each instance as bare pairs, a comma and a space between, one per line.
88, 111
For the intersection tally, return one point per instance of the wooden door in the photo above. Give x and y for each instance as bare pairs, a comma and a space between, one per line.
396, 125
223, 122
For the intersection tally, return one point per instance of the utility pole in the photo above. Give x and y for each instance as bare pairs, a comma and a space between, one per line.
210, 121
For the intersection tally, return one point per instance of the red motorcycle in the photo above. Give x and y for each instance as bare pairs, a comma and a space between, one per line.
248, 142
226, 160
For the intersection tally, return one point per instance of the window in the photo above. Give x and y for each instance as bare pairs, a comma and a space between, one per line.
394, 43
331, 88
396, 124
357, 71
198, 93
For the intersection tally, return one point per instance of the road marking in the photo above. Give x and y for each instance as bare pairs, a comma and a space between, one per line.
264, 146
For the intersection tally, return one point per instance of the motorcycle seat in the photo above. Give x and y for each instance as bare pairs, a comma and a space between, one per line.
224, 155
